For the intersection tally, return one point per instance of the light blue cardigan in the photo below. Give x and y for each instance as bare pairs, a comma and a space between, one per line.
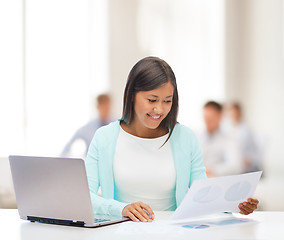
187, 157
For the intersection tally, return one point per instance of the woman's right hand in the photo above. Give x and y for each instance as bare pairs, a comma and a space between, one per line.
137, 211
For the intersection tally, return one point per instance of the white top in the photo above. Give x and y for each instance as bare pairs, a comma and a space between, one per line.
247, 141
221, 154
144, 171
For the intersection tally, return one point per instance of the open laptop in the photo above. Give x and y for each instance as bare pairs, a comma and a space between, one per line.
55, 191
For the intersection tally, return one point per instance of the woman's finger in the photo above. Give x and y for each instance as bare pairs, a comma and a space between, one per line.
243, 212
138, 211
138, 215
143, 213
252, 207
131, 216
128, 212
246, 209
253, 201
149, 210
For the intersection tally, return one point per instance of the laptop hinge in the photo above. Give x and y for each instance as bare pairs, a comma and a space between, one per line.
56, 221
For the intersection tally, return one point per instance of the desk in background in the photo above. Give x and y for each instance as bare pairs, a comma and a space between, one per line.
269, 225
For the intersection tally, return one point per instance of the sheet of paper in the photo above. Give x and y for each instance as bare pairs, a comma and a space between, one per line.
213, 195
213, 223
165, 227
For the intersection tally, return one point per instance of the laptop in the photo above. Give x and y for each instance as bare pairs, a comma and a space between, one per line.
55, 191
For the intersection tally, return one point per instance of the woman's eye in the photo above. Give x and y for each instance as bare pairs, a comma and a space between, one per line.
168, 101
151, 100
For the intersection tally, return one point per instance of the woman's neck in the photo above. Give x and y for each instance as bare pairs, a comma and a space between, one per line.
143, 132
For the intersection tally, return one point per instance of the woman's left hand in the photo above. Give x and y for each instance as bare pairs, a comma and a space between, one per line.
249, 206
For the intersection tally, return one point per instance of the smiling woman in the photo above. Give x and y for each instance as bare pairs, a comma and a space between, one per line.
146, 161
151, 85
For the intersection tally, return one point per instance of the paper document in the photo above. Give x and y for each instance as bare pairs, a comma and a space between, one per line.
165, 227
220, 194
213, 223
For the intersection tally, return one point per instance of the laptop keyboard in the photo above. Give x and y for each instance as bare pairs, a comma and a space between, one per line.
98, 220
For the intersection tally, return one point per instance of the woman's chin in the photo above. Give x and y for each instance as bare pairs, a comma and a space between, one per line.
153, 126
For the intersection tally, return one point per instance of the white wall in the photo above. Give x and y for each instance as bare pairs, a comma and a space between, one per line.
188, 34
124, 50
265, 75
255, 77
255, 70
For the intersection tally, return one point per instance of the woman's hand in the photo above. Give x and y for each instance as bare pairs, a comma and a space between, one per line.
249, 206
137, 211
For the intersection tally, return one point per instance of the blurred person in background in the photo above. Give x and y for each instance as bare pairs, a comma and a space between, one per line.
221, 152
86, 132
233, 124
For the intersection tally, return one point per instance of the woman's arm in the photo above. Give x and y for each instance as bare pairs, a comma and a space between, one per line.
197, 168
100, 204
136, 211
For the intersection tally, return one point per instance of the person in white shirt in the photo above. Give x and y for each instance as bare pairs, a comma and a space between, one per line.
221, 152
233, 125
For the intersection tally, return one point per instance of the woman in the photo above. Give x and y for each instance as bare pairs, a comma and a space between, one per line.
146, 160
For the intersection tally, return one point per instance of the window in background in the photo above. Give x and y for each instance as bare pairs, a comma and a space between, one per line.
65, 66
11, 81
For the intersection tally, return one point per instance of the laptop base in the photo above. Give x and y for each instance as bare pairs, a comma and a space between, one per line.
56, 221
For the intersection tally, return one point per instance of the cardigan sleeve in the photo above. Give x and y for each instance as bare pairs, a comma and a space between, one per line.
100, 205
188, 160
197, 170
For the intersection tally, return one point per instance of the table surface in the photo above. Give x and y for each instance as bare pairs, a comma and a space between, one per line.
267, 225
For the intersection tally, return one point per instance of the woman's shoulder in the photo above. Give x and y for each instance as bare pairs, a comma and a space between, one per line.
184, 137
108, 130
183, 131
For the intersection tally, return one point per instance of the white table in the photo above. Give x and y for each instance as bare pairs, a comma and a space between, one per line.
269, 225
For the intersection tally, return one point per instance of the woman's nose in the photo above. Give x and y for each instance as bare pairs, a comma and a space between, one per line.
158, 108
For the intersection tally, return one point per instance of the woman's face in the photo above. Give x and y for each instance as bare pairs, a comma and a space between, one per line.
151, 107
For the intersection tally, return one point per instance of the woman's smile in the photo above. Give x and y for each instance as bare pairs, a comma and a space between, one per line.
154, 117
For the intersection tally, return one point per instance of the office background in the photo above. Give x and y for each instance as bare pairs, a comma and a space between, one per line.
57, 55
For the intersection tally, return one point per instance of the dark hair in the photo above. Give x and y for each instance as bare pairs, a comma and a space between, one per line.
217, 106
148, 74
